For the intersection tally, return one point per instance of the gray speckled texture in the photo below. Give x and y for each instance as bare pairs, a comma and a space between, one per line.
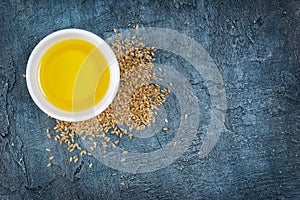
256, 46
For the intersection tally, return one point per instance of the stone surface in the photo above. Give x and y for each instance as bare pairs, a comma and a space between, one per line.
255, 45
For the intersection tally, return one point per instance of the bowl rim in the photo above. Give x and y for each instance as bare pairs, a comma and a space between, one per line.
32, 79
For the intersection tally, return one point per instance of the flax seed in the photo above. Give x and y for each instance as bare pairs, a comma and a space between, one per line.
174, 144
122, 183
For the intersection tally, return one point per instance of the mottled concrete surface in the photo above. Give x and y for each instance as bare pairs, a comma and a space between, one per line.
256, 46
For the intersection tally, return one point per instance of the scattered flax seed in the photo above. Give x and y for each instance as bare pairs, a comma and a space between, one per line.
166, 120
122, 183
136, 27
185, 116
48, 135
170, 84
174, 144
24, 75
47, 130
109, 38
51, 158
130, 135
116, 142
125, 152
56, 138
165, 129
49, 165
119, 35
89, 154
123, 159
82, 153
48, 149
91, 165
104, 145
75, 160
71, 158
115, 30
160, 69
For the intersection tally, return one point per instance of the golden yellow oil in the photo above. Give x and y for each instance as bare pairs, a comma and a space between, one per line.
74, 75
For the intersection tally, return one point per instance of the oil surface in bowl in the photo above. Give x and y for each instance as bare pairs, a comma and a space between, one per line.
73, 75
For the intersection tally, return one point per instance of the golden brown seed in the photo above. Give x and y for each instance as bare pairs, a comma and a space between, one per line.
166, 121
75, 160
71, 158
115, 30
122, 183
24, 75
125, 152
91, 165
165, 129
89, 154
51, 158
136, 27
48, 149
123, 159
160, 69
116, 141
107, 139
48, 135
185, 116
174, 144
170, 84
49, 165
82, 153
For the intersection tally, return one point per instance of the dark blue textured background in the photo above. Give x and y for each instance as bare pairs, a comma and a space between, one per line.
256, 46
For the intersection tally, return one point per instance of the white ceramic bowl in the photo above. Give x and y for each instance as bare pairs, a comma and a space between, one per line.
33, 69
